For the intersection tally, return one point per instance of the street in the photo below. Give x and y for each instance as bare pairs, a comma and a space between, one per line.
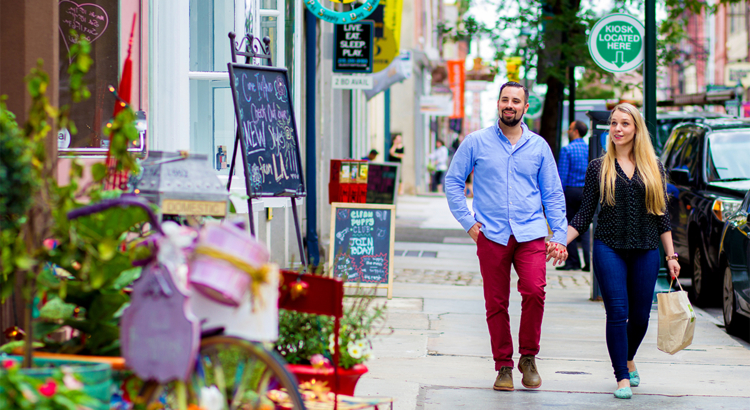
438, 356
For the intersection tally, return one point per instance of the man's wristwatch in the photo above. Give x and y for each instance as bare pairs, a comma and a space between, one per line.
671, 257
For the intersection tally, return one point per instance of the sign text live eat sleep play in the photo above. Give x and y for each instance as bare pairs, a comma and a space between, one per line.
353, 47
616, 43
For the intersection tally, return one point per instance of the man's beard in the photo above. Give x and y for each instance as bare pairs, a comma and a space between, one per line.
512, 122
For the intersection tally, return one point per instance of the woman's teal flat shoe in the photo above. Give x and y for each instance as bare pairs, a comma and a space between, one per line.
635, 379
624, 393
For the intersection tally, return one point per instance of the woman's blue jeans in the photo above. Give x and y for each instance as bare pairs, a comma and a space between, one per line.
626, 279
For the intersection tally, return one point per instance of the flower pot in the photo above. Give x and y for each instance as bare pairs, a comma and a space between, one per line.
347, 377
96, 377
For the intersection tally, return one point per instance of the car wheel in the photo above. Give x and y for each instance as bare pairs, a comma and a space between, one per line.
735, 323
701, 292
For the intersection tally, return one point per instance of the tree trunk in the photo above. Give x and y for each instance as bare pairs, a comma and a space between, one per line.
548, 128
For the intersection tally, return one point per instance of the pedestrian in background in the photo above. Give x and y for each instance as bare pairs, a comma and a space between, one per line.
514, 177
371, 155
572, 164
630, 183
439, 160
396, 154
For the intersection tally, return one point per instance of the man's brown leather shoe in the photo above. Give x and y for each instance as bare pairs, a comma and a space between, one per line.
504, 379
531, 378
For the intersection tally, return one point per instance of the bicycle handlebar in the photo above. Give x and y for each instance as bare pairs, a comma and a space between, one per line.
122, 201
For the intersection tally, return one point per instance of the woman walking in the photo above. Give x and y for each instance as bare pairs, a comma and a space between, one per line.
630, 183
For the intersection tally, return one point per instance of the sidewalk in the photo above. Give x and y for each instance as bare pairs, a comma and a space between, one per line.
438, 356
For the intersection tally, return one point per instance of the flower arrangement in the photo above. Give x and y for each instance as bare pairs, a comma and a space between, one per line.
62, 391
309, 339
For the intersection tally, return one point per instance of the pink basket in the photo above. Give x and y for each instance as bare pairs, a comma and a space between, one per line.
218, 279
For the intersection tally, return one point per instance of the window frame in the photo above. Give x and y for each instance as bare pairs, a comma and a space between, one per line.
243, 10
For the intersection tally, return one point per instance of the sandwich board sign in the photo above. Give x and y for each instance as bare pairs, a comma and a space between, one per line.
616, 43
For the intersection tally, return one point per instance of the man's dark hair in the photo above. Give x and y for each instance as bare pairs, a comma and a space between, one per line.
374, 152
581, 127
515, 85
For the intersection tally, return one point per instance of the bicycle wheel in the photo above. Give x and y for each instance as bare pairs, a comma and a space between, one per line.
238, 372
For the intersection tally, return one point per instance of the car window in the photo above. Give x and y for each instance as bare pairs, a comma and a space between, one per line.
675, 154
691, 153
727, 156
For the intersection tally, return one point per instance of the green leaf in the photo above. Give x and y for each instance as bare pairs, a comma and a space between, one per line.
105, 306
126, 278
99, 171
56, 309
42, 329
107, 248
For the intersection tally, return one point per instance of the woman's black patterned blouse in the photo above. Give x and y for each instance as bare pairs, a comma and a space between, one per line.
627, 225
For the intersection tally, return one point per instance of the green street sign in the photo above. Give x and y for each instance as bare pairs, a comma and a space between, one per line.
535, 106
616, 43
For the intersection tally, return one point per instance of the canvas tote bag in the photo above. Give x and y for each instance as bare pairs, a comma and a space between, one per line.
676, 321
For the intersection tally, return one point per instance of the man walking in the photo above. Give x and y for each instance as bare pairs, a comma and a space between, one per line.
574, 160
514, 177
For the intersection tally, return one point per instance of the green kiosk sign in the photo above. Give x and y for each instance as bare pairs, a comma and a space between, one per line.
535, 106
616, 43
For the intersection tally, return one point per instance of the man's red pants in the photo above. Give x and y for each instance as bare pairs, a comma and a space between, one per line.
529, 259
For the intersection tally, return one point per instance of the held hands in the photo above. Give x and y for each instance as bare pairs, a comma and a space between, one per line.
557, 252
674, 268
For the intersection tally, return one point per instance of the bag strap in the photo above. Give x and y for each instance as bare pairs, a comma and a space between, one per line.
672, 283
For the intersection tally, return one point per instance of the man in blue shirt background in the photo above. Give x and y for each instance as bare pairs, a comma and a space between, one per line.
573, 162
517, 192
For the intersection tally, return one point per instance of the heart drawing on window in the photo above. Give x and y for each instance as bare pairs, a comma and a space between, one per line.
88, 20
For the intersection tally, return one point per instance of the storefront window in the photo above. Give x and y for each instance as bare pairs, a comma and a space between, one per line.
212, 128
107, 25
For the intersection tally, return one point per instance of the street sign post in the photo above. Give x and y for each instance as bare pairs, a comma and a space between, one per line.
535, 106
616, 43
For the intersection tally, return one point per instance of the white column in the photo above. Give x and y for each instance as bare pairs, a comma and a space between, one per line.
170, 87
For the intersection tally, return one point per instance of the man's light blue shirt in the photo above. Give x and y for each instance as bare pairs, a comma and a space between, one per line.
510, 187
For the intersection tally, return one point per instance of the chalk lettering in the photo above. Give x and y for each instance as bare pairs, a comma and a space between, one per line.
362, 246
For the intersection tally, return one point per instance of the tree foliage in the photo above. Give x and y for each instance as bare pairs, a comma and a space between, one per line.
557, 33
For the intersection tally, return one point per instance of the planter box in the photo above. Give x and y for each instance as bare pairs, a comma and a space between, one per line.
347, 377
96, 377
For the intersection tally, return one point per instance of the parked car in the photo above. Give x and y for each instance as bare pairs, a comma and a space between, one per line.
735, 257
709, 172
666, 121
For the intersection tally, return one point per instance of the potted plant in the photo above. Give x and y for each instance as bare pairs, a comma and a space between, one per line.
71, 274
306, 341
56, 389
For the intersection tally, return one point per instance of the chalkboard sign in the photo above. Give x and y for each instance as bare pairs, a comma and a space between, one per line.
265, 118
382, 182
353, 47
362, 244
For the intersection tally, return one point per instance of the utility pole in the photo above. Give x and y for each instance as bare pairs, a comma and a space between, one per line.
649, 99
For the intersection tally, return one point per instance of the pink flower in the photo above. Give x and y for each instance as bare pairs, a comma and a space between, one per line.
319, 361
48, 389
71, 382
50, 243
8, 364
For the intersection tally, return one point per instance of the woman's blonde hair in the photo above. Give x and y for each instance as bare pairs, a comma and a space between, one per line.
645, 163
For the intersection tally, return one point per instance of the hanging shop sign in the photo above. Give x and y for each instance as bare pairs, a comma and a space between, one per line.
352, 47
399, 70
456, 82
616, 43
341, 17
387, 18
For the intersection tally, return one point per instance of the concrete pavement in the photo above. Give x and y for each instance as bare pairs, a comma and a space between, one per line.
438, 356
